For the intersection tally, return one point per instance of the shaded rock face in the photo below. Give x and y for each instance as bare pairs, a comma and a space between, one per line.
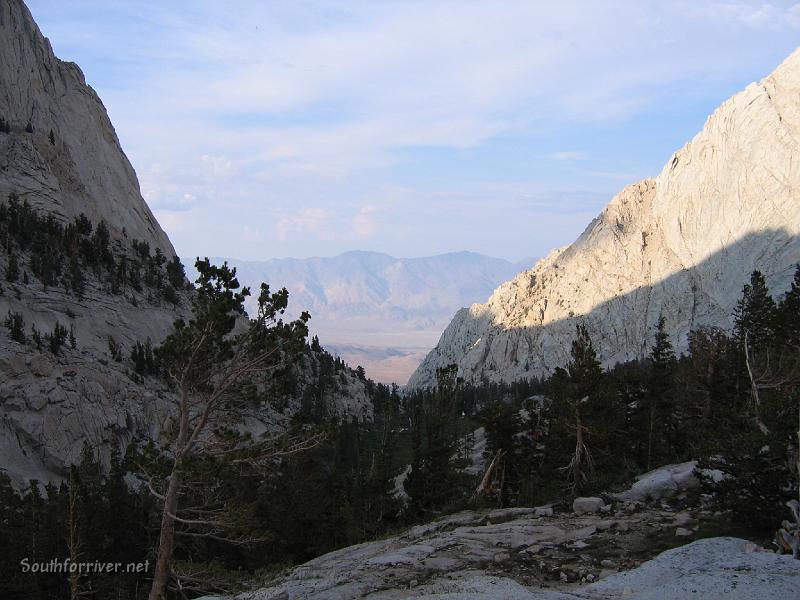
681, 245
50, 404
83, 168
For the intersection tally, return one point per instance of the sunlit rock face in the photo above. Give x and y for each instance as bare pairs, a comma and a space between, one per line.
681, 245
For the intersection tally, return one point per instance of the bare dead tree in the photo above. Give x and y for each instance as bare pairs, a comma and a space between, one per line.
773, 370
75, 591
581, 463
491, 483
754, 386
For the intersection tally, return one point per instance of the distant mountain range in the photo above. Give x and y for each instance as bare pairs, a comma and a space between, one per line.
376, 310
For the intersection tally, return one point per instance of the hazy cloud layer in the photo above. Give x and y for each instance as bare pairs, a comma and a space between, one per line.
264, 129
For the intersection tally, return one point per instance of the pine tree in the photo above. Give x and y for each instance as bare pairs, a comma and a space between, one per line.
211, 364
14, 532
101, 252
756, 318
12, 268
502, 428
584, 373
432, 480
755, 315
176, 273
659, 400
586, 423
76, 279
16, 327
57, 338
37, 337
788, 317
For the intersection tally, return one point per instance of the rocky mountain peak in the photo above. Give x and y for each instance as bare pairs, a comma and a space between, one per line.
681, 246
60, 151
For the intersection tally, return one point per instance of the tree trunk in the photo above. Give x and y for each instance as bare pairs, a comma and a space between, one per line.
166, 539
74, 582
753, 389
650, 436
576, 467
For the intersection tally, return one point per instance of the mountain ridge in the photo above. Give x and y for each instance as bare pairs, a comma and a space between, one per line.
375, 309
736, 177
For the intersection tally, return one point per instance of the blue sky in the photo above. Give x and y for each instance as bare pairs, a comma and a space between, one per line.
270, 129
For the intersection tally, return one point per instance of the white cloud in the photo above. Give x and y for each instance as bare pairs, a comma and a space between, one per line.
298, 116
364, 224
336, 96
568, 155
307, 222
753, 15
251, 234
172, 221
220, 165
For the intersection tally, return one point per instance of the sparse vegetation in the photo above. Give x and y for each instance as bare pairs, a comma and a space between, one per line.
64, 254
57, 338
16, 327
143, 360
12, 268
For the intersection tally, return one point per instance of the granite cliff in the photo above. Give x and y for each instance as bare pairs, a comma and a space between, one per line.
81, 250
81, 168
681, 245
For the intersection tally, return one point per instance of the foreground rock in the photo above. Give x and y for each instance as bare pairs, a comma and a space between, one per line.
513, 554
681, 245
667, 482
628, 551
582, 506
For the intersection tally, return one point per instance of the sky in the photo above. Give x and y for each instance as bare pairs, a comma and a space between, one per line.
309, 128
